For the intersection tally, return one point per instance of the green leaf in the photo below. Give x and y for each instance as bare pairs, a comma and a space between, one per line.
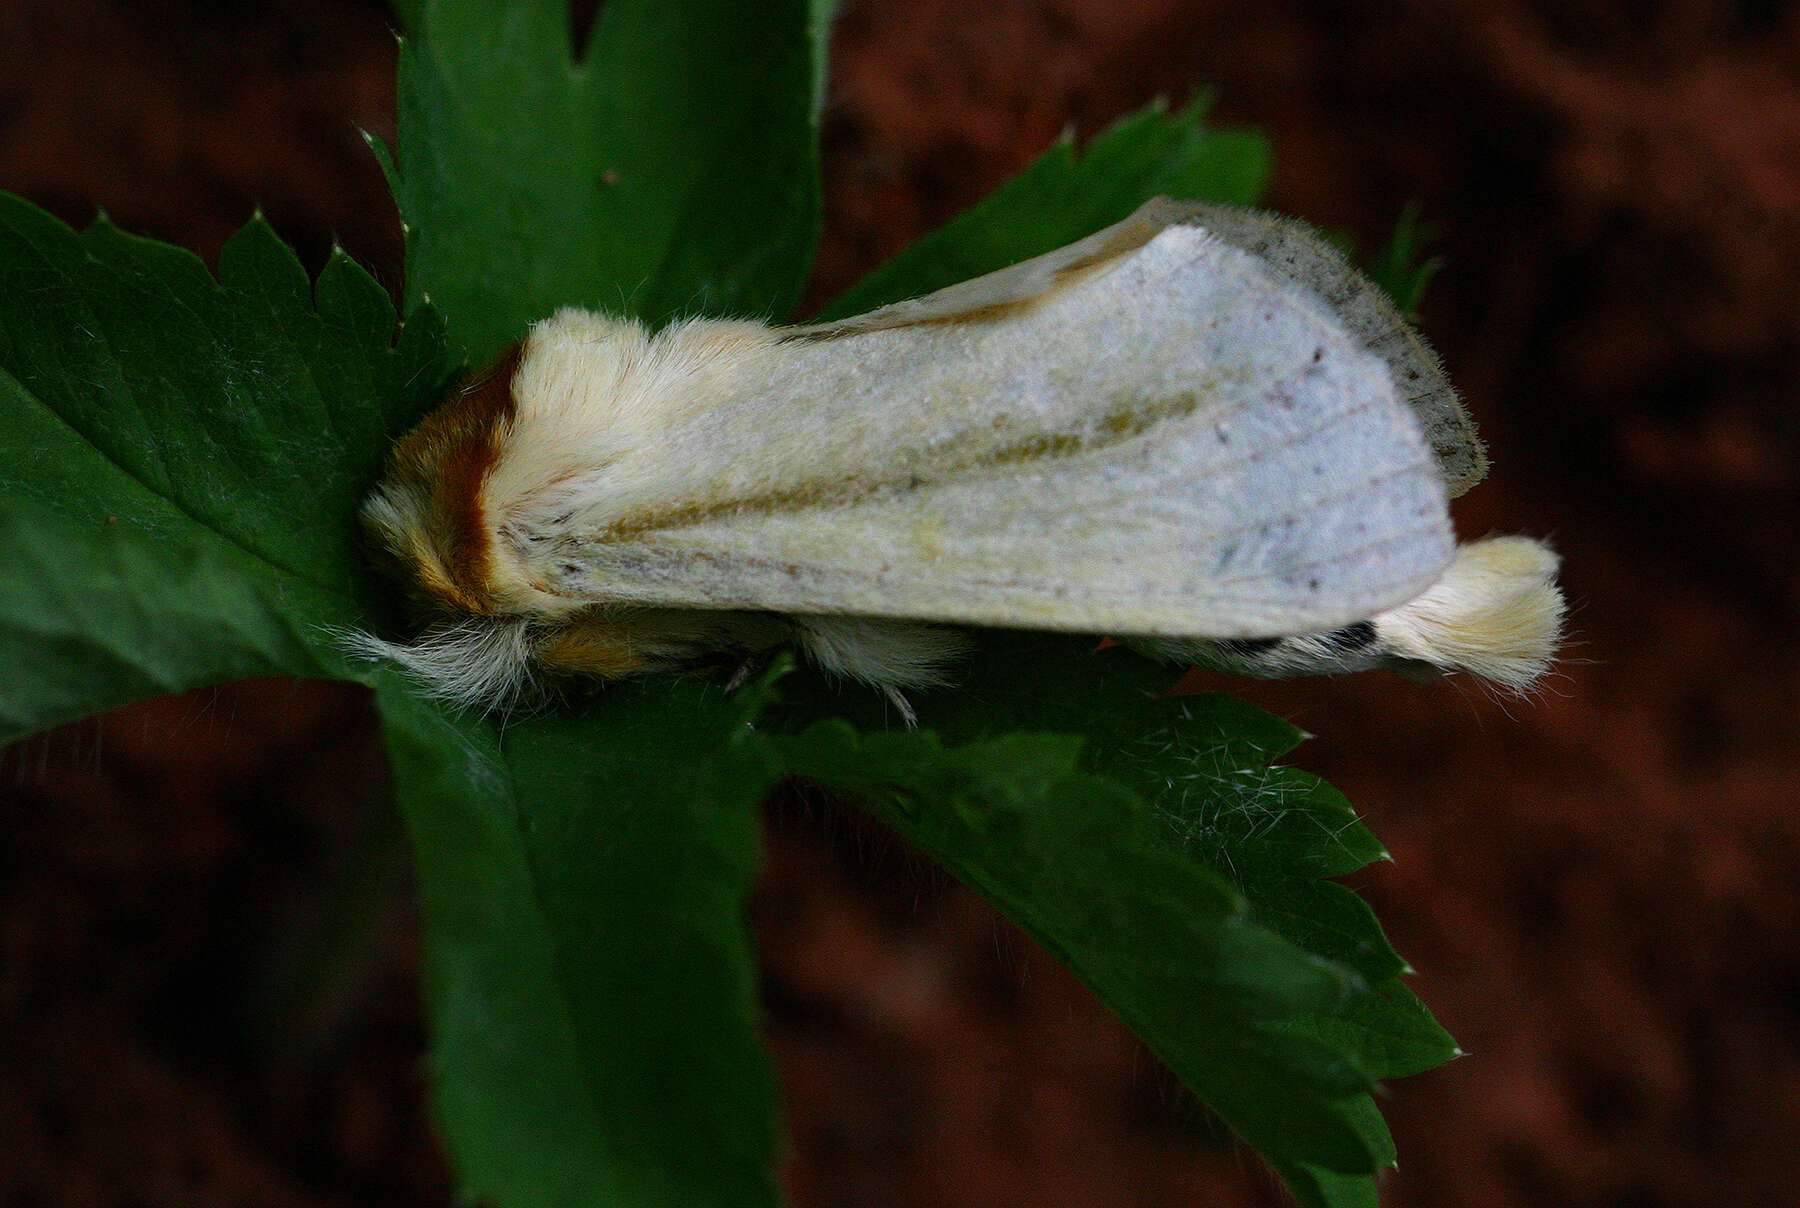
671, 170
182, 460
92, 617
591, 989
1402, 268
1194, 782
819, 16
1171, 867
1075, 859
1064, 195
1318, 1188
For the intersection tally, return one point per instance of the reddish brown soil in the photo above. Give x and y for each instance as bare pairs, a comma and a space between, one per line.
1598, 888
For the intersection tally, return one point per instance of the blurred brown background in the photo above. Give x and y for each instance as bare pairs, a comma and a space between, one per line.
1597, 888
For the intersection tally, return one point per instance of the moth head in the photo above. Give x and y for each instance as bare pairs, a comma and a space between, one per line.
429, 513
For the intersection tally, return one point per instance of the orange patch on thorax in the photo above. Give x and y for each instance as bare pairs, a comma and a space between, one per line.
451, 453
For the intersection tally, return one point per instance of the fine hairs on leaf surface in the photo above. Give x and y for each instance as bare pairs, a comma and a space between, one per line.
184, 458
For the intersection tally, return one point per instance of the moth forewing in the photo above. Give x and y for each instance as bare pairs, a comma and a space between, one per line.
1171, 441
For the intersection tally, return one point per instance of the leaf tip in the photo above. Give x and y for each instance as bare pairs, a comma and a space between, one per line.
1198, 106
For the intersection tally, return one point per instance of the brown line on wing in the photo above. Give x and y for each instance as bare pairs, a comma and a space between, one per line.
1122, 238
1107, 430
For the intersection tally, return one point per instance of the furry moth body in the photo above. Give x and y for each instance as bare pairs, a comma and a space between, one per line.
1198, 430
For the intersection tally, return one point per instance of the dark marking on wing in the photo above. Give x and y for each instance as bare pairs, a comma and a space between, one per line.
1107, 430
1124, 238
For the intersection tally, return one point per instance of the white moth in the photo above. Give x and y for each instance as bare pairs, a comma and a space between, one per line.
1198, 430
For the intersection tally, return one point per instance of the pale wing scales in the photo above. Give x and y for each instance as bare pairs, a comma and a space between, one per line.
1176, 442
1292, 249
1298, 252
